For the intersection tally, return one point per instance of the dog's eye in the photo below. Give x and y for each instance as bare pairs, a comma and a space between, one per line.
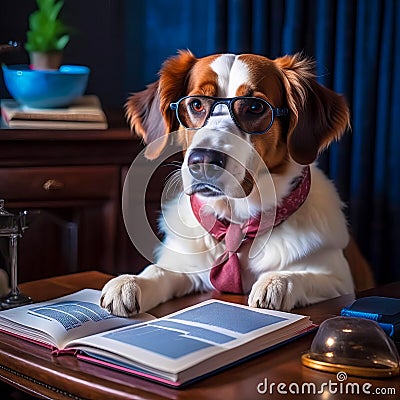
196, 105
256, 107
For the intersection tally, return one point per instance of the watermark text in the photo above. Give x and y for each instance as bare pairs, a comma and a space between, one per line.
340, 386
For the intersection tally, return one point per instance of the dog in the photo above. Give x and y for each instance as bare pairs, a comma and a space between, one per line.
238, 116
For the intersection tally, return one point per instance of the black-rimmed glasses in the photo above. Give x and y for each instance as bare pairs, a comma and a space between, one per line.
252, 115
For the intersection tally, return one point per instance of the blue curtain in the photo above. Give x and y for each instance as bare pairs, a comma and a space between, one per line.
356, 44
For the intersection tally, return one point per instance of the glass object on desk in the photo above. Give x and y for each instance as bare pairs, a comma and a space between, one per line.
13, 226
354, 346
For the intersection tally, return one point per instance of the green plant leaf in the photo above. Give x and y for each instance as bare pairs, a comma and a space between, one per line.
56, 10
37, 21
45, 5
62, 42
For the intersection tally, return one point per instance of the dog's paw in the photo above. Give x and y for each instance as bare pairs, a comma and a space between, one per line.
273, 290
121, 296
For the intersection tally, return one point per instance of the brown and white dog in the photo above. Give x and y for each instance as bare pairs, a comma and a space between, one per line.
244, 112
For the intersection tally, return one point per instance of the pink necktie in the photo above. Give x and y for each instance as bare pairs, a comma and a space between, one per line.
225, 273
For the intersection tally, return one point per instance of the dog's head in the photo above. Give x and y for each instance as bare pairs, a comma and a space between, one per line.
228, 108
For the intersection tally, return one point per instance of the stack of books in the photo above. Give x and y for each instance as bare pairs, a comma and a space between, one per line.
85, 113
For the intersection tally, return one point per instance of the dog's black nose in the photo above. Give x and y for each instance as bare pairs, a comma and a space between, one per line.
205, 163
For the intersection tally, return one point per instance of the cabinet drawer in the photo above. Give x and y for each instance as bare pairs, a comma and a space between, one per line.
67, 183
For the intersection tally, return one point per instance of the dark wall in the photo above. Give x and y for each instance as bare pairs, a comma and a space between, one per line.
98, 41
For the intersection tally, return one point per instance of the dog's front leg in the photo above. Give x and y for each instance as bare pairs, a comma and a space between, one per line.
127, 294
323, 275
284, 290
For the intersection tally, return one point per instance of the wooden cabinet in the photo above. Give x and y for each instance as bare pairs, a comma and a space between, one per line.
71, 181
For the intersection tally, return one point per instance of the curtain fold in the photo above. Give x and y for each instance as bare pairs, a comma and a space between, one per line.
380, 250
392, 229
364, 112
356, 45
339, 163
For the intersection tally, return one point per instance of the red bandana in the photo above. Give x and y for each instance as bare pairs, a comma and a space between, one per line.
225, 272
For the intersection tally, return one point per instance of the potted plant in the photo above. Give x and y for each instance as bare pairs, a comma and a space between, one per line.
47, 35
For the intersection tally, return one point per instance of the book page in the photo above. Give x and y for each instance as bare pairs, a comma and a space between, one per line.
183, 339
54, 323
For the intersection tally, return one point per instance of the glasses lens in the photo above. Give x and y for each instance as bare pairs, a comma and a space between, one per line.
252, 114
193, 111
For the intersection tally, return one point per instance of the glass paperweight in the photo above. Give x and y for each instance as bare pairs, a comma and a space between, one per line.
356, 346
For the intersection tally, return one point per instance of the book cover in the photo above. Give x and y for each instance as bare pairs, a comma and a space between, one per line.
384, 310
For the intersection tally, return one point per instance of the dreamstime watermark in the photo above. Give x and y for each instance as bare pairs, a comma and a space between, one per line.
341, 386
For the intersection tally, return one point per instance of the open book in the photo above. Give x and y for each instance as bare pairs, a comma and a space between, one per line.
173, 350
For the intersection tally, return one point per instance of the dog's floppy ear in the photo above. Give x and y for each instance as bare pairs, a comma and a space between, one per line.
318, 115
148, 111
144, 116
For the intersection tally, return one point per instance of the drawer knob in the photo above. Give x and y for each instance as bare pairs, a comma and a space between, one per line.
52, 184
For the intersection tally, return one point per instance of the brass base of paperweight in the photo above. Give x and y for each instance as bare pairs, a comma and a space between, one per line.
380, 371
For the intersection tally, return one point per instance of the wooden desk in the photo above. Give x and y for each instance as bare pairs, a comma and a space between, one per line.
33, 369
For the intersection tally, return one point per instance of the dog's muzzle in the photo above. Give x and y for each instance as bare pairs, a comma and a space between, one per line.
205, 164
205, 167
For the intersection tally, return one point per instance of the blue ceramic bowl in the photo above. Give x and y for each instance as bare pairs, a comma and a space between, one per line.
46, 88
